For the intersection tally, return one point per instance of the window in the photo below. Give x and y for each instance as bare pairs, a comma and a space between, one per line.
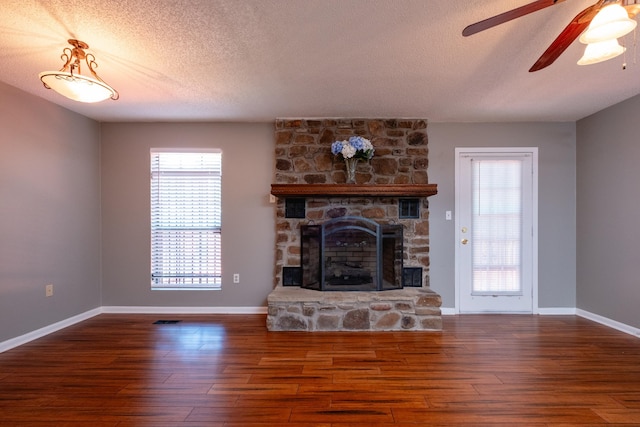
497, 225
186, 214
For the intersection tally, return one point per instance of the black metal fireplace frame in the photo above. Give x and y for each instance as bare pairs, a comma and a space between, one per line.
313, 244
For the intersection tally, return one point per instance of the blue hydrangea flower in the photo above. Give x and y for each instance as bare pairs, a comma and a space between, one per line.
336, 147
356, 142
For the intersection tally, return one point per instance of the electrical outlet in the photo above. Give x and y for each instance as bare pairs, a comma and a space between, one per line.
236, 278
48, 290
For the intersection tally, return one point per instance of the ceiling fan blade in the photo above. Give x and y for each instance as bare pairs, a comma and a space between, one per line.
567, 36
508, 16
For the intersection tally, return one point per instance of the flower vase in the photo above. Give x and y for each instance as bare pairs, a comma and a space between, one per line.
351, 165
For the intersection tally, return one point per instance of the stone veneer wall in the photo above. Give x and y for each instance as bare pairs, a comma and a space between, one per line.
303, 156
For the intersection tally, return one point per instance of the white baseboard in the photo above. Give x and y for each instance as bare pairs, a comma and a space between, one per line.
622, 327
39, 333
183, 310
557, 311
563, 311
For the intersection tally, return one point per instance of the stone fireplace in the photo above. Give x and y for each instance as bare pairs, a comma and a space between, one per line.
360, 241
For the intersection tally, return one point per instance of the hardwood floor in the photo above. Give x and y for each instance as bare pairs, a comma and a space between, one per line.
214, 370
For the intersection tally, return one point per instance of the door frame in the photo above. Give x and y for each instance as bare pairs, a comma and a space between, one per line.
534, 207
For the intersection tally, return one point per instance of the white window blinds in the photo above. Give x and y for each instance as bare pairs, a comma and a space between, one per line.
497, 226
186, 219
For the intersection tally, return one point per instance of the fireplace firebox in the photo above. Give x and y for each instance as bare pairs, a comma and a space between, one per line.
352, 254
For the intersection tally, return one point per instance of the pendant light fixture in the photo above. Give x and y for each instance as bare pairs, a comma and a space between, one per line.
70, 82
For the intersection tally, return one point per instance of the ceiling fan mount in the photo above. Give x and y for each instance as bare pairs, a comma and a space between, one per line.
572, 31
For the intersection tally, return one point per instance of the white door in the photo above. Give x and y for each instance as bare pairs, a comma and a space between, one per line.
496, 251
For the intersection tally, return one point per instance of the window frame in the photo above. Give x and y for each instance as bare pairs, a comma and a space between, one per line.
176, 235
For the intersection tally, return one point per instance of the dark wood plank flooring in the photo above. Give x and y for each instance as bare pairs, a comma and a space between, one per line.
215, 370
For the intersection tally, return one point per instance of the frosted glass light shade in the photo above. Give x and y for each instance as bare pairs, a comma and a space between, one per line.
610, 23
77, 87
69, 80
601, 51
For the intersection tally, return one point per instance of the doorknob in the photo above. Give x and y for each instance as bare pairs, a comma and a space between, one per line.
464, 241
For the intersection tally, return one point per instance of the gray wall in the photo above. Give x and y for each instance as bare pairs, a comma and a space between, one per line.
608, 175
556, 201
71, 188
49, 213
247, 217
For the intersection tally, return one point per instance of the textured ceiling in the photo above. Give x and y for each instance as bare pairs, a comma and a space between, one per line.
255, 60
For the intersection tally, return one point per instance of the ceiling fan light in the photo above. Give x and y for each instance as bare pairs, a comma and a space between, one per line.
611, 22
601, 51
70, 82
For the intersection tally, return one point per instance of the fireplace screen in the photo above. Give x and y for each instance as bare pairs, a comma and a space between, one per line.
351, 254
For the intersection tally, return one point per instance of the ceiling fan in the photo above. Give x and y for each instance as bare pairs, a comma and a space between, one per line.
566, 37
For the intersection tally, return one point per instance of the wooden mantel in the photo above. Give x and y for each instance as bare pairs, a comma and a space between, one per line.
348, 190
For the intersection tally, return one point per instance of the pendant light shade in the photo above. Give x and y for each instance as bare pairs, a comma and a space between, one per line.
611, 22
601, 51
70, 82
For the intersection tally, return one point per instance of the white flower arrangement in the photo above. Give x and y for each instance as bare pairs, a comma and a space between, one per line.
355, 147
